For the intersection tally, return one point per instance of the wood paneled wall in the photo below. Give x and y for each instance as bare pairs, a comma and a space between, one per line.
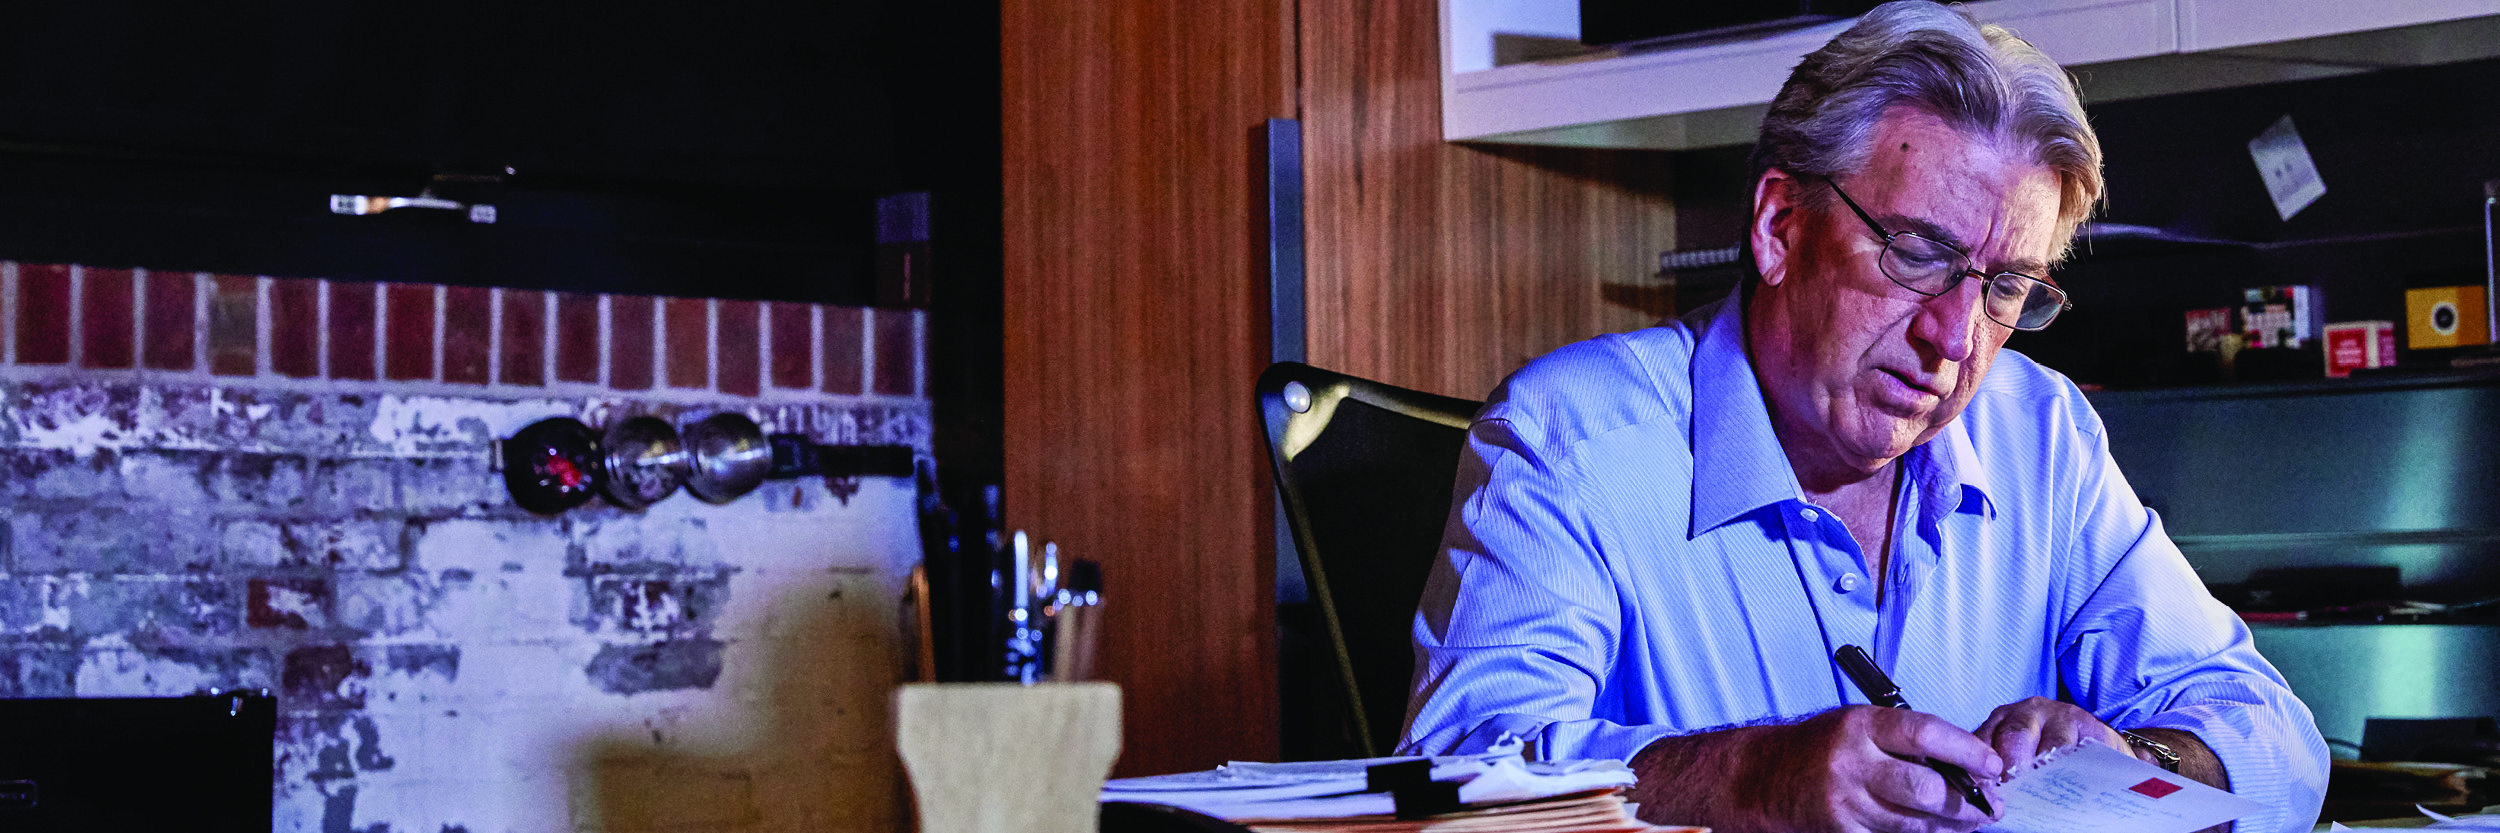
1443, 267
1135, 301
1135, 293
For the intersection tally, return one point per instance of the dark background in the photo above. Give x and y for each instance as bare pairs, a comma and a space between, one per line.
729, 150
2404, 154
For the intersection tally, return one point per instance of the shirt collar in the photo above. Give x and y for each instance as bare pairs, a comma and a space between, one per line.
1737, 462
1949, 476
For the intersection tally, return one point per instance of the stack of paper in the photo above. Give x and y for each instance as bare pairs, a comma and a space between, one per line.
2487, 820
1498, 792
2090, 788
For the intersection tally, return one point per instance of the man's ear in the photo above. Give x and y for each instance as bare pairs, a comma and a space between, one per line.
1775, 200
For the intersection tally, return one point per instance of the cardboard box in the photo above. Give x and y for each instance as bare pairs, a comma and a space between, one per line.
2446, 316
2352, 345
2205, 329
2281, 316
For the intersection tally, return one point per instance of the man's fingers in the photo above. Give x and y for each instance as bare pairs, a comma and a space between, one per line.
2016, 734
2060, 733
2014, 745
1916, 736
2021, 731
1916, 791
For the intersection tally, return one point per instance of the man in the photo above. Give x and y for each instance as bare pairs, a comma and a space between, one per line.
1662, 536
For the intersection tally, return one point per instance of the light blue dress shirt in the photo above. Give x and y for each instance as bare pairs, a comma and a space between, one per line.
1630, 557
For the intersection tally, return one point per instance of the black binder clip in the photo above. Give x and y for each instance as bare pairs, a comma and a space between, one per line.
1430, 798
1410, 784
1381, 778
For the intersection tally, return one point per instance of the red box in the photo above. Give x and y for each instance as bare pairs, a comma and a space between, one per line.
2352, 345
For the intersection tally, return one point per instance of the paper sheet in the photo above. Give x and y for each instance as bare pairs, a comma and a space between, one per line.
1334, 789
2487, 820
2090, 788
2283, 161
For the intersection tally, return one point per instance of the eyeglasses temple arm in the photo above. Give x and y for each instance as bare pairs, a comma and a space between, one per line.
1853, 208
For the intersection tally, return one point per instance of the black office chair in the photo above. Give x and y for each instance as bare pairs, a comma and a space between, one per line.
1366, 471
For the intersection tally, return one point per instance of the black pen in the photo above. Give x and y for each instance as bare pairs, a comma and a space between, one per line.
1881, 691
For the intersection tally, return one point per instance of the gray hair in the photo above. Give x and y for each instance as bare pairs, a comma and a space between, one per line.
1980, 79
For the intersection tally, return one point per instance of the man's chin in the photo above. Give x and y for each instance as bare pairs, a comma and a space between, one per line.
1883, 438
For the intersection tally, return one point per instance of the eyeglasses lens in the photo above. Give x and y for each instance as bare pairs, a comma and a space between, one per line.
2040, 306
1930, 268
1924, 266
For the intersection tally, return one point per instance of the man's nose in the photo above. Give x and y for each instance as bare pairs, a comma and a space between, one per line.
1950, 322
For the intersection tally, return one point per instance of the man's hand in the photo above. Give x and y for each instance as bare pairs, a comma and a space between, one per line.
1857, 768
2021, 731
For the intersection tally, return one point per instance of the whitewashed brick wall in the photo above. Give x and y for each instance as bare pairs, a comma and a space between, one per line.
445, 661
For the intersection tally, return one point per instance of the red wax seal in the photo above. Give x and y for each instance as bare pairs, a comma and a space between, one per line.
2155, 787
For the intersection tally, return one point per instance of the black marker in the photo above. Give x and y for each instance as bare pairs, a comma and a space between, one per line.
1881, 691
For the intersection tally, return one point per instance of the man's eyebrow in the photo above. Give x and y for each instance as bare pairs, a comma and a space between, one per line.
2027, 267
1928, 229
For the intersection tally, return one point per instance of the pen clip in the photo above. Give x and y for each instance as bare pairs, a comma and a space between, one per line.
1879, 689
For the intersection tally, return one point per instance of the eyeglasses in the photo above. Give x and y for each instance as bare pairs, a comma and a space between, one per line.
1930, 268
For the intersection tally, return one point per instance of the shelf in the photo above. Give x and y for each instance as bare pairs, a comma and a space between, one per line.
2370, 382
1714, 94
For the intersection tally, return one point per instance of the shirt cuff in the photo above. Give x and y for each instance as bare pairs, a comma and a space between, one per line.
2251, 741
1547, 739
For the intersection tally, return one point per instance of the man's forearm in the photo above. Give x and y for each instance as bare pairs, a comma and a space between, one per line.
1696, 779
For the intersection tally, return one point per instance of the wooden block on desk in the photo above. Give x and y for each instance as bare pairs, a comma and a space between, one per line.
1007, 758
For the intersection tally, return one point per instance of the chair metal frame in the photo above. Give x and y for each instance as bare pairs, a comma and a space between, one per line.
1289, 433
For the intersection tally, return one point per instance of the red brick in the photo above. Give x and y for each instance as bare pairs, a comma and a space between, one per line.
577, 338
741, 362
689, 343
234, 326
525, 338
261, 613
408, 332
844, 372
351, 330
43, 313
894, 352
172, 320
629, 342
108, 318
794, 364
295, 327
468, 333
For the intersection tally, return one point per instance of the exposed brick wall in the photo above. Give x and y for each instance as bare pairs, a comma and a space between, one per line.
502, 340
243, 481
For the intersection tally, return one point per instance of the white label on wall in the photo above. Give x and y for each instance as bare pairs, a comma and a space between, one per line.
2291, 176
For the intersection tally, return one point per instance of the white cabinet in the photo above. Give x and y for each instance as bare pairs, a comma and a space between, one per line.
1714, 94
2088, 31
2222, 24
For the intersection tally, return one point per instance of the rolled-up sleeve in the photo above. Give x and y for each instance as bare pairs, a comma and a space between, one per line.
2150, 648
1519, 620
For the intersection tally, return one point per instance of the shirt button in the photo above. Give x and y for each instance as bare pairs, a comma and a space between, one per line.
1848, 583
1809, 514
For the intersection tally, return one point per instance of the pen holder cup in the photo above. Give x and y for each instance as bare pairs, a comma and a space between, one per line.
1001, 757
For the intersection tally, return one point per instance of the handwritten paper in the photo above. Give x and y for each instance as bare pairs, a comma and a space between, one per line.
2090, 788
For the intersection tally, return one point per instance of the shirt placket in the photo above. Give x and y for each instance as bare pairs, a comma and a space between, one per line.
1920, 537
1835, 578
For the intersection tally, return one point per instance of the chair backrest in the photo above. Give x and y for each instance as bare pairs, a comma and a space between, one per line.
1366, 471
